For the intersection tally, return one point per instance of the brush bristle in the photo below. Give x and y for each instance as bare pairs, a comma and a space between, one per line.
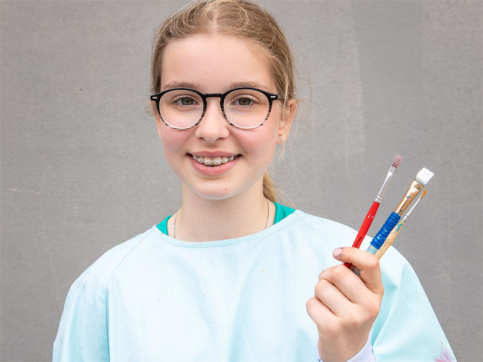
424, 176
397, 160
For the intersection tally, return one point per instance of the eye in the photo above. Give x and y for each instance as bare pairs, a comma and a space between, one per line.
183, 100
244, 101
186, 101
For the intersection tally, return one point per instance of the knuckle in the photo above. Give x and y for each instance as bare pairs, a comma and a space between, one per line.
354, 319
312, 306
373, 308
309, 305
321, 275
321, 287
358, 317
339, 272
372, 262
326, 273
333, 329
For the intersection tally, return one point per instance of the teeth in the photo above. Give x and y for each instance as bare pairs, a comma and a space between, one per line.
215, 161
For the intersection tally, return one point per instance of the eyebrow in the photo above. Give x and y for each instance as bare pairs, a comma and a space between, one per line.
174, 84
249, 84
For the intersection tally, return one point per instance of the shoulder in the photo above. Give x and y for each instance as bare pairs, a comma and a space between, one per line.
331, 231
100, 272
83, 329
323, 224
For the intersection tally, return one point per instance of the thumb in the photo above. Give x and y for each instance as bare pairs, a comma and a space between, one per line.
368, 264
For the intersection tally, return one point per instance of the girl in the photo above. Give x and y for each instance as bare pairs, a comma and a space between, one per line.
231, 275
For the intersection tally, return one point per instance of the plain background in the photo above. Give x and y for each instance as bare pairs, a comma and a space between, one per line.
82, 168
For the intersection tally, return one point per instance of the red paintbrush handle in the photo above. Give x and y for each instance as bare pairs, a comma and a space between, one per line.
365, 227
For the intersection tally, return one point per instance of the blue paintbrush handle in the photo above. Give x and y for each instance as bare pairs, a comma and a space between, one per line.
386, 229
380, 237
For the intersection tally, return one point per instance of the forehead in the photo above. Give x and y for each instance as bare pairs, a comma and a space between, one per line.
213, 63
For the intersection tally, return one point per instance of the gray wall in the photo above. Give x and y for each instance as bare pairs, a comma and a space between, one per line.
82, 168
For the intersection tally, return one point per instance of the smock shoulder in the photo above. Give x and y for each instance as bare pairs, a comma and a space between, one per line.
103, 268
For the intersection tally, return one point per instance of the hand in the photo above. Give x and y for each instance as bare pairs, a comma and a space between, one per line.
345, 306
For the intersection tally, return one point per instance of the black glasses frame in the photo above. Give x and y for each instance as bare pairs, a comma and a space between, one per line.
204, 96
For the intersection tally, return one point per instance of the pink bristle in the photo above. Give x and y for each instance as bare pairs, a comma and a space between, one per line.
397, 160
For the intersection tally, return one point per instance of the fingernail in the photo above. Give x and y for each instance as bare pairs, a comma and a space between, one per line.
337, 252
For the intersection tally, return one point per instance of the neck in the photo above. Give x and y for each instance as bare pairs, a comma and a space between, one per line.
200, 219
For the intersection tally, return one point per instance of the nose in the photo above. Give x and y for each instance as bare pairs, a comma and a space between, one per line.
213, 126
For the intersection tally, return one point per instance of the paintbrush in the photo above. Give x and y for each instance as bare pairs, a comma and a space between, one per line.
421, 179
366, 224
395, 232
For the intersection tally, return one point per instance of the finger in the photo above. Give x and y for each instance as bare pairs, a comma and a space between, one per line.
319, 313
348, 283
367, 263
332, 297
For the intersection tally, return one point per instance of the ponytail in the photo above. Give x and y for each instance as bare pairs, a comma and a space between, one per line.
269, 189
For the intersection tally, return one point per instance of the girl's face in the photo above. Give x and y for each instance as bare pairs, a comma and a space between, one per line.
216, 64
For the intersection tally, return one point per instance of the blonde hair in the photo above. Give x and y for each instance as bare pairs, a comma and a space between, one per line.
238, 18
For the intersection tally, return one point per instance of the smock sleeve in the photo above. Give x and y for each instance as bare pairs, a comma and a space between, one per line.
83, 329
406, 328
83, 333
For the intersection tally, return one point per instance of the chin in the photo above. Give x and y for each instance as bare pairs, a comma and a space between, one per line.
218, 191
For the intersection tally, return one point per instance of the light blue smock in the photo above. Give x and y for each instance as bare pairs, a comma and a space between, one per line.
154, 298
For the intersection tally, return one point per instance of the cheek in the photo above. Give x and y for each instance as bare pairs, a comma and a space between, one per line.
172, 140
261, 143
268, 136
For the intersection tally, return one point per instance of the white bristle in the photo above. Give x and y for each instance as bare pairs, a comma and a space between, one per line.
424, 176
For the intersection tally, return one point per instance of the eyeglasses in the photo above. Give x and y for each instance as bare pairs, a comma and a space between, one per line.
245, 108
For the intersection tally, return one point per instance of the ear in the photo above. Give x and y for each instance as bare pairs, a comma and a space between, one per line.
158, 118
288, 114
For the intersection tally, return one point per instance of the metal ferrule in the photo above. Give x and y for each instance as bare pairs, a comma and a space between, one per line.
382, 191
410, 195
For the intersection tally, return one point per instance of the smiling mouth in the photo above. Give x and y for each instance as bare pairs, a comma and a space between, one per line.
213, 161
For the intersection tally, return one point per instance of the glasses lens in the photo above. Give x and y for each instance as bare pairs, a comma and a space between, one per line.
246, 108
181, 108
